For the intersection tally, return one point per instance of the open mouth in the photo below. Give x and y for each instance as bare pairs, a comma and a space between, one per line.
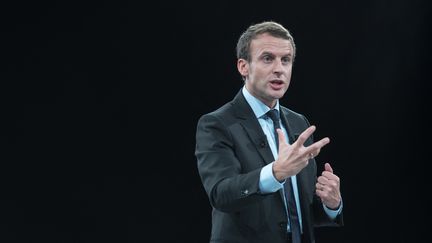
276, 84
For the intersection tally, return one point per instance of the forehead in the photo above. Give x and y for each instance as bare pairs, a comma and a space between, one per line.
264, 43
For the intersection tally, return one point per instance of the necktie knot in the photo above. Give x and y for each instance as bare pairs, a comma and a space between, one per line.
274, 115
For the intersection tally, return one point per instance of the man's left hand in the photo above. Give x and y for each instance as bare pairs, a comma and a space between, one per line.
328, 188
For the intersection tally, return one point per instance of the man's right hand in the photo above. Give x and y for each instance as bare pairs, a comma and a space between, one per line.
292, 158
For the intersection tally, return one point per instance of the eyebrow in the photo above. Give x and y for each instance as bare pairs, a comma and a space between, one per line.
272, 54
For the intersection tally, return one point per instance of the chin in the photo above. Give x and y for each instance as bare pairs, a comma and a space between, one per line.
278, 94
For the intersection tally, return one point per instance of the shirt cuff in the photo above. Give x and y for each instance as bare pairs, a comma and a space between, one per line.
268, 182
333, 213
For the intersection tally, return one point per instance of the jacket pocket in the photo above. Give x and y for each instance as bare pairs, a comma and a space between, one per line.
252, 216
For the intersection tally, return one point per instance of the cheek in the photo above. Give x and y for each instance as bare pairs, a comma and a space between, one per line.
289, 70
262, 74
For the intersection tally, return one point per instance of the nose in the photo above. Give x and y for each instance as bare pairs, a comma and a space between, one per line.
278, 68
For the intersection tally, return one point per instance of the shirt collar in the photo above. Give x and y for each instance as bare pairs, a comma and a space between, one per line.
258, 107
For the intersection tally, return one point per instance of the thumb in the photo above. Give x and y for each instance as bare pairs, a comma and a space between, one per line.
328, 168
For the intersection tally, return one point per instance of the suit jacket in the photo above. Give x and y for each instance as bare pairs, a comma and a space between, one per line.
231, 150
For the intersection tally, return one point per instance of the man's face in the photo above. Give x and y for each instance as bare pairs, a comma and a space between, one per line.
268, 73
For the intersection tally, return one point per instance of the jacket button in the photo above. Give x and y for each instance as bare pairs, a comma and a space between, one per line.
283, 225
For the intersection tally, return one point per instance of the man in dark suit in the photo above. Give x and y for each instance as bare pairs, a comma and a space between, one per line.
256, 157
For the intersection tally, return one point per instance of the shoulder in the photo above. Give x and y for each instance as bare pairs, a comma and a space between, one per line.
292, 115
230, 111
223, 113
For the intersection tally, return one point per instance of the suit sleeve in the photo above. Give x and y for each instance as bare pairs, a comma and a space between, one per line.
321, 218
229, 188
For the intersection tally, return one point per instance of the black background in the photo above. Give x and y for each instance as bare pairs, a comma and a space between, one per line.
100, 100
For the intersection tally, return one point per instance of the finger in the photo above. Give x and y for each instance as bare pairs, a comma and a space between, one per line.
321, 194
330, 176
314, 154
322, 180
319, 186
315, 148
328, 168
281, 137
304, 136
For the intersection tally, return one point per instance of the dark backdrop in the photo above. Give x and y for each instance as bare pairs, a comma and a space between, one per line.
100, 100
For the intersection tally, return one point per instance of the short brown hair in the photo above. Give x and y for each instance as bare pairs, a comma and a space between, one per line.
270, 27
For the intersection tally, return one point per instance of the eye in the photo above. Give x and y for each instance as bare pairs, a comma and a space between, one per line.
267, 59
286, 60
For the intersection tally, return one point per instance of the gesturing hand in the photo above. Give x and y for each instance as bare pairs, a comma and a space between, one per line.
328, 188
293, 158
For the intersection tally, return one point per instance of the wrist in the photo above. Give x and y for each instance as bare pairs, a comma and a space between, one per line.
334, 208
277, 172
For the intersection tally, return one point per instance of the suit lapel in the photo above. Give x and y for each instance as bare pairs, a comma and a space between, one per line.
292, 130
252, 127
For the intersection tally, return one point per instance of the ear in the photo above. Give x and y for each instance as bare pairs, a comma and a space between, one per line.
243, 67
